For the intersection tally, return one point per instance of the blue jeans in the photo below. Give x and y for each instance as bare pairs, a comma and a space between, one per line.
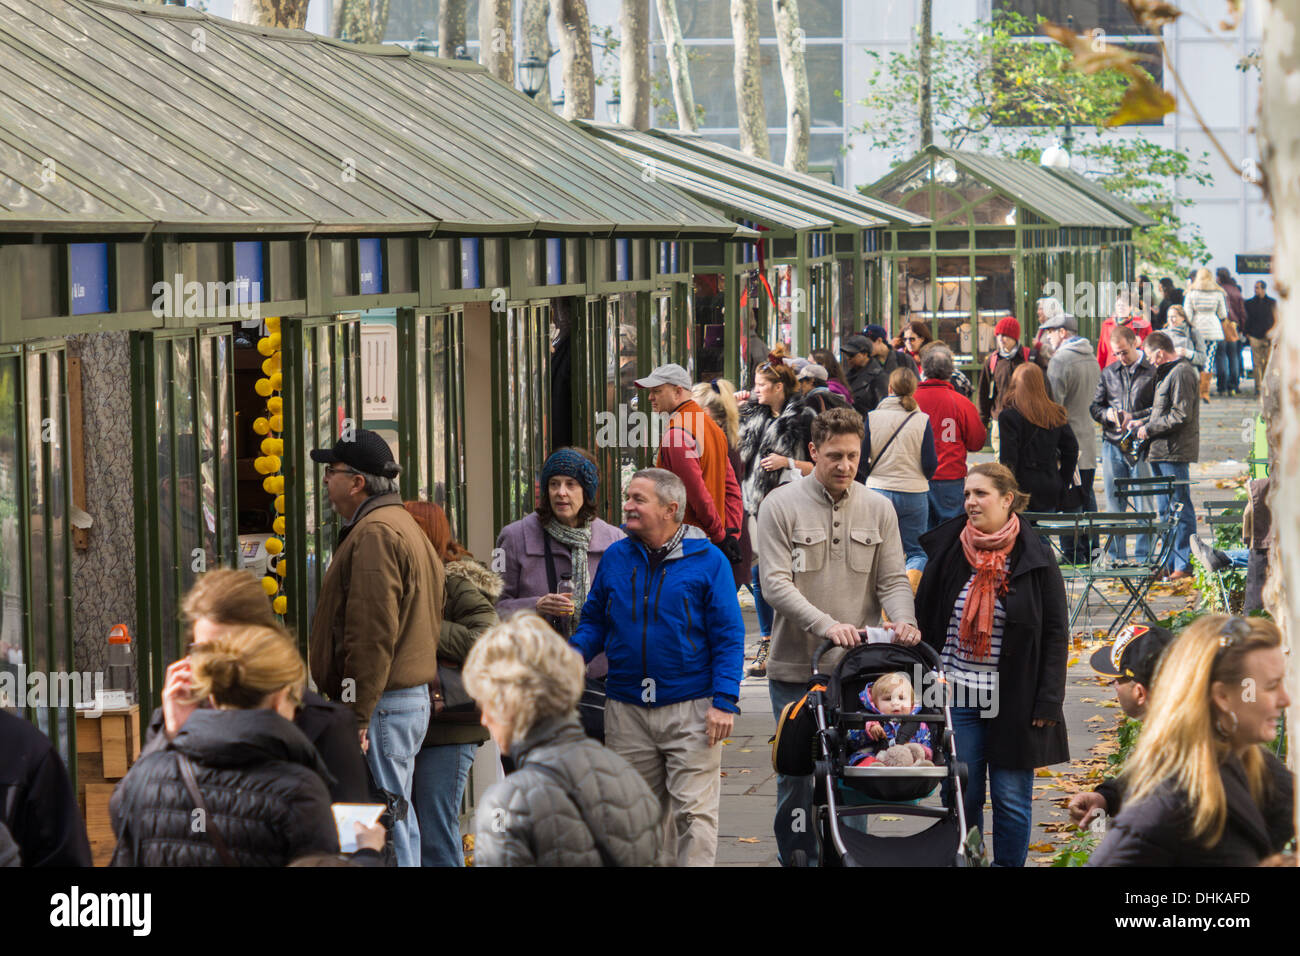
761, 607
947, 500
913, 510
397, 729
1227, 366
1114, 466
1012, 790
440, 775
795, 826
1181, 556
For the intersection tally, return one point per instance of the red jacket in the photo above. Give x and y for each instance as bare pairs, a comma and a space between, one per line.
1140, 326
695, 450
956, 425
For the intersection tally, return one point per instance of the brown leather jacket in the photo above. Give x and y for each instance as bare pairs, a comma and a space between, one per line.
379, 611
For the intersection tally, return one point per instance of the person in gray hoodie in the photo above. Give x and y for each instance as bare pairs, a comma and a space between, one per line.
1072, 375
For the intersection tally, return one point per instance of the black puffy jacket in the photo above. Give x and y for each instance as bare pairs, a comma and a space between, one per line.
332, 730
262, 782
37, 803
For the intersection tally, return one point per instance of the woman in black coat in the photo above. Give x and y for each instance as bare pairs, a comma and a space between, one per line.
1200, 788
1036, 441
261, 791
992, 603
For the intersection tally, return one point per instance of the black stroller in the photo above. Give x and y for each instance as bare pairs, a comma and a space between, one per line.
834, 708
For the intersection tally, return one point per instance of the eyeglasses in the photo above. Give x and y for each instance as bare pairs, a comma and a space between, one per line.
332, 470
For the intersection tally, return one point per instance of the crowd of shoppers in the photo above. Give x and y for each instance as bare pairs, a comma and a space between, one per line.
836, 520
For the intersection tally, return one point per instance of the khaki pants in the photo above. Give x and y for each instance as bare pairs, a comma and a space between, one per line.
1259, 352
669, 747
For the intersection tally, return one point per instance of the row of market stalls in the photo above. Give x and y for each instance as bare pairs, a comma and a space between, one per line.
223, 246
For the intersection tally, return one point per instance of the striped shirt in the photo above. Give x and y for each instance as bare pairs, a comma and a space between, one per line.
979, 674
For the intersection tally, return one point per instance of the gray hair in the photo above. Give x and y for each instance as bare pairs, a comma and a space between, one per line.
1051, 307
936, 361
668, 488
376, 485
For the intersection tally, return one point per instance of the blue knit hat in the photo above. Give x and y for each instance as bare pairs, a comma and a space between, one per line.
568, 462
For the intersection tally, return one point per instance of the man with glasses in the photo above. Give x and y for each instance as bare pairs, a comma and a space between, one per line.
374, 637
1131, 660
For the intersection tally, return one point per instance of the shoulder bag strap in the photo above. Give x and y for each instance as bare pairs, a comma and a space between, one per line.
881, 454
552, 579
606, 858
210, 825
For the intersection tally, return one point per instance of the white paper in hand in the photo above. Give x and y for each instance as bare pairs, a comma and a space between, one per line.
347, 814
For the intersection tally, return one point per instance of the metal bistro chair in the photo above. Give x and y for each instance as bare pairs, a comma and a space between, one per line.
1082, 580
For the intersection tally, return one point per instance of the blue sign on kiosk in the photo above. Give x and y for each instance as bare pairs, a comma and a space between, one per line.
248, 272
554, 261
370, 262
87, 278
471, 263
622, 260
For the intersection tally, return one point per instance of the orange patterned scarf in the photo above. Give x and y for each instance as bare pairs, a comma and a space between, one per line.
987, 554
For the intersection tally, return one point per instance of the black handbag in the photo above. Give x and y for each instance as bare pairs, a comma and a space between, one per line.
449, 702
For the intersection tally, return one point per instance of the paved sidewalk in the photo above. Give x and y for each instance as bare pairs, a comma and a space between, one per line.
749, 783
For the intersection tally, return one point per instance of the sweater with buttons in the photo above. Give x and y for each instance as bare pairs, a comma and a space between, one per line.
825, 562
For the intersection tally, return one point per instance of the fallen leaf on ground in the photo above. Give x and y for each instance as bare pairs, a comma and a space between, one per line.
1044, 772
1087, 700
746, 750
747, 840
1042, 847
746, 771
1072, 662
1095, 718
890, 819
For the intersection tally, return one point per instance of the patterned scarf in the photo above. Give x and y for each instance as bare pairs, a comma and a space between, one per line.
987, 554
577, 540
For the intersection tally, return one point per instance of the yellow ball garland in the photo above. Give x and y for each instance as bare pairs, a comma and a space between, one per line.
270, 427
269, 584
262, 426
274, 545
280, 604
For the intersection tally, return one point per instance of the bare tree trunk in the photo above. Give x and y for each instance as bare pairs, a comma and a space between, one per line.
451, 27
496, 31
750, 106
537, 41
361, 21
679, 70
794, 76
634, 63
927, 43
271, 13
575, 51
1279, 147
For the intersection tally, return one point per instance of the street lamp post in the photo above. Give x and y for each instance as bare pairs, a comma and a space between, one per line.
614, 106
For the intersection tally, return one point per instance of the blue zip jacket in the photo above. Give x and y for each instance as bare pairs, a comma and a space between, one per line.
670, 636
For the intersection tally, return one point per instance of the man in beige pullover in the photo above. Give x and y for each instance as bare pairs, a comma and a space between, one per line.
830, 551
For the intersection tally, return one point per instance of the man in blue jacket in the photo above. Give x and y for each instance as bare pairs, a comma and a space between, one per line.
663, 609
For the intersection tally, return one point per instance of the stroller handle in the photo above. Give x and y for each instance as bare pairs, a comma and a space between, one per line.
928, 653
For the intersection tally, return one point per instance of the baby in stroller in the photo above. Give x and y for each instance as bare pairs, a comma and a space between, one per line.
891, 742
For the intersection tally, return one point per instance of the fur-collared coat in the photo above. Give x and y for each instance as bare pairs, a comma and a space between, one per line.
761, 434
468, 610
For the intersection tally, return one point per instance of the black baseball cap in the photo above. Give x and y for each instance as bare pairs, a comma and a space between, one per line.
854, 344
365, 451
1134, 653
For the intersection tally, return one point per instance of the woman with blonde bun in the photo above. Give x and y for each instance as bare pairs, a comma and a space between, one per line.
239, 784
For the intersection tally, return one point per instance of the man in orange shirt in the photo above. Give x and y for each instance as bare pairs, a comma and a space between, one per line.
695, 450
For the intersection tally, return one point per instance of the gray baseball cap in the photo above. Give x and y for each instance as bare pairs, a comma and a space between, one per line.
670, 374
1061, 321
813, 371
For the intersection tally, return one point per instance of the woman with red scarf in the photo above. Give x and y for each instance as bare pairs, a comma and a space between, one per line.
992, 603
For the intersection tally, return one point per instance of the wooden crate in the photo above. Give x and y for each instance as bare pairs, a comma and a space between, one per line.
107, 746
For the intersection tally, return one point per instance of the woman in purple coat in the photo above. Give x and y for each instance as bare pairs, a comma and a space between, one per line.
558, 545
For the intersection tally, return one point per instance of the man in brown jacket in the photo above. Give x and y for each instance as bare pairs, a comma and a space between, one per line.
374, 638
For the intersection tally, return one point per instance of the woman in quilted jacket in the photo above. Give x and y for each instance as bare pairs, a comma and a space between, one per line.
570, 801
261, 785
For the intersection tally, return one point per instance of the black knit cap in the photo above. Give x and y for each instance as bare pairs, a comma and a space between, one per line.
366, 451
